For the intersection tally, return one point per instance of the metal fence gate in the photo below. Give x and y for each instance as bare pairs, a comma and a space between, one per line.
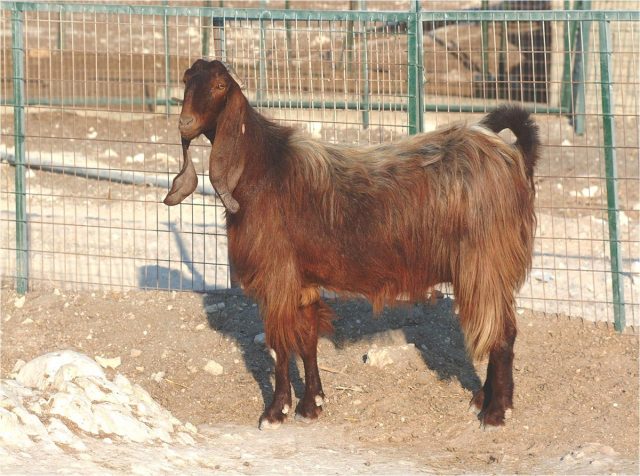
88, 138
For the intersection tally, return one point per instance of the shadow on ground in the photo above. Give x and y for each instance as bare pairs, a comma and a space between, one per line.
432, 328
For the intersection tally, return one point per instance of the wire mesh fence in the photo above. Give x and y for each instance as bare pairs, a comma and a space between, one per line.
89, 140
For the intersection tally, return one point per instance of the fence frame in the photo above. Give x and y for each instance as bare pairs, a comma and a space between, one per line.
415, 106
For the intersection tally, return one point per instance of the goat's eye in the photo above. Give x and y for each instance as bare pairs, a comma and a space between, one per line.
221, 86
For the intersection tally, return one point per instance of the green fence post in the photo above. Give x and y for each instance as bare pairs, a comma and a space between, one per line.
608, 129
287, 26
580, 69
485, 50
569, 36
415, 69
60, 33
221, 24
167, 61
364, 65
19, 133
262, 61
205, 29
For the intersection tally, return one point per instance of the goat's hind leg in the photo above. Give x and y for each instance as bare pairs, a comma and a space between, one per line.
313, 316
496, 395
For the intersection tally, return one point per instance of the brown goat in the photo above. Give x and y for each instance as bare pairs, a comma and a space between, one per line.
454, 205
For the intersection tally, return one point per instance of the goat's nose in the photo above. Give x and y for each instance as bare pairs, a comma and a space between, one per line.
185, 121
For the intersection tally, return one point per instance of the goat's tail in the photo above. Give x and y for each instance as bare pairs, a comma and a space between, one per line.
525, 129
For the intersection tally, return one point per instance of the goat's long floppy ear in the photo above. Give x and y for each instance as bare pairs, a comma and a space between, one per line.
185, 182
227, 158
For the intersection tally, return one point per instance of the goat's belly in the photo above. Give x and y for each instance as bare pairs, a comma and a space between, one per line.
371, 274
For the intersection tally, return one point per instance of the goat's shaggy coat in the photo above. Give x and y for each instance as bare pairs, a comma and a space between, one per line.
455, 205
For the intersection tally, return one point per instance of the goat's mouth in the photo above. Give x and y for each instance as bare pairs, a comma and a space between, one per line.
189, 134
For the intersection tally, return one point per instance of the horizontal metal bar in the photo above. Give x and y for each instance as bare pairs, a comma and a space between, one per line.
228, 13
86, 102
160, 180
327, 15
286, 104
531, 15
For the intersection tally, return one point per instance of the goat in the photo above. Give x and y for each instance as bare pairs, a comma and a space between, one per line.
454, 205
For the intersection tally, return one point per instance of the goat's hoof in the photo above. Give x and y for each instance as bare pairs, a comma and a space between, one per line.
268, 425
274, 416
308, 412
492, 418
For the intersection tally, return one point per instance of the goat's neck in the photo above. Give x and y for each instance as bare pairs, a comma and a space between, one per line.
262, 148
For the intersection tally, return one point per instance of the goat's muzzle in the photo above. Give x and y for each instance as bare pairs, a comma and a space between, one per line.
186, 125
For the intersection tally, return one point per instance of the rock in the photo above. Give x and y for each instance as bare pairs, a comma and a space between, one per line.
67, 387
380, 357
112, 419
109, 363
260, 339
123, 384
31, 424
214, 368
41, 371
186, 439
158, 376
135, 353
76, 408
11, 432
59, 433
19, 301
215, 307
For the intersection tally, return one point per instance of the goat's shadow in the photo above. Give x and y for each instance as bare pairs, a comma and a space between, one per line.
161, 277
432, 327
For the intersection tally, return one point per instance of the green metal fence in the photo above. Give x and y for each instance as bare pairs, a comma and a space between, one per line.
88, 137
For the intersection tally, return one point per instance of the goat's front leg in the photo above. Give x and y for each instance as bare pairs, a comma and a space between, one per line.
310, 407
281, 404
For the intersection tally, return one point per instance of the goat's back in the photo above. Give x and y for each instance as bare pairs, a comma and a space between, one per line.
400, 212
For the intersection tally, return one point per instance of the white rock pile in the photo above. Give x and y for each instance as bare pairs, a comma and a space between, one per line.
55, 398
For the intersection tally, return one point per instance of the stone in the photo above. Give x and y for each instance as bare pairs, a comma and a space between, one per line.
213, 367
381, 357
41, 371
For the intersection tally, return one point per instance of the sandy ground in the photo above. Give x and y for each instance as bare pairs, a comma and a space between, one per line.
576, 399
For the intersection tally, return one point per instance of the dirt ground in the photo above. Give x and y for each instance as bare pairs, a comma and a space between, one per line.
576, 398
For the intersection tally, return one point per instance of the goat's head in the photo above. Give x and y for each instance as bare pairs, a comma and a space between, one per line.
214, 106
